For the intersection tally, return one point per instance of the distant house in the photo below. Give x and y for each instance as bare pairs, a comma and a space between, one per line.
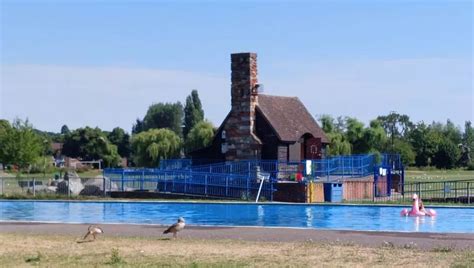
262, 126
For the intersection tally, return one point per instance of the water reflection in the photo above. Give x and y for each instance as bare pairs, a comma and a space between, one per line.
309, 216
260, 216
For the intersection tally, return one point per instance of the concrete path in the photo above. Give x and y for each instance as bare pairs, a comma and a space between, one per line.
372, 239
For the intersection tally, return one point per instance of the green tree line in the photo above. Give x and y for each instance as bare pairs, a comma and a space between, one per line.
171, 130
419, 144
168, 130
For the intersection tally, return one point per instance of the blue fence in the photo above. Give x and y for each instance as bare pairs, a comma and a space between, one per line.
339, 166
240, 179
188, 182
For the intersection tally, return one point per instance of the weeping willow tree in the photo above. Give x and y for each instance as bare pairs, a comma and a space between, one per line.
200, 136
149, 147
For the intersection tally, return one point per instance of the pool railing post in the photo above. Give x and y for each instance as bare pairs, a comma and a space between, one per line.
455, 190
68, 188
444, 191
205, 184
34, 187
374, 187
103, 182
418, 190
172, 184
271, 189
123, 177
142, 180
248, 187
226, 185
185, 183
468, 196
2, 185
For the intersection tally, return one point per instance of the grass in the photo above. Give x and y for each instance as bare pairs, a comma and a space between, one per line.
18, 250
416, 175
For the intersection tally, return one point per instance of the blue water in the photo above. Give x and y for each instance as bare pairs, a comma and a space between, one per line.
368, 218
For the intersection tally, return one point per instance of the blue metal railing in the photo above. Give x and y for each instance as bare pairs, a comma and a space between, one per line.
236, 186
239, 179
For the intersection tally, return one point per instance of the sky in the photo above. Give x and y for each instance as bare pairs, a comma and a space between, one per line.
103, 63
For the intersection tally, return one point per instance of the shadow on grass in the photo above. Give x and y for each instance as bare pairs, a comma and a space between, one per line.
84, 241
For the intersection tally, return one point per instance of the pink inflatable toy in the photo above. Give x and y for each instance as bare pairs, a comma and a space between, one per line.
415, 209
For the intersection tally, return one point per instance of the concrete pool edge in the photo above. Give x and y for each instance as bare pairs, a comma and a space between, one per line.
424, 241
232, 226
228, 203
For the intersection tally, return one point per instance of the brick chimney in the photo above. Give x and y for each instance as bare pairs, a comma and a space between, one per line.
242, 143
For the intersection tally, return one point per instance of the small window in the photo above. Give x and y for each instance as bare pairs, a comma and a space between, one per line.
314, 149
224, 148
223, 135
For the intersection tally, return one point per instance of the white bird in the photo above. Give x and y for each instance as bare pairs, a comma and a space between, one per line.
175, 228
93, 230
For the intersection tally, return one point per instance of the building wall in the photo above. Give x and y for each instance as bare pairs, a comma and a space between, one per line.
267, 136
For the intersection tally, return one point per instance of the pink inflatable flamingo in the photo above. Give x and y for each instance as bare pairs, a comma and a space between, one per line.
415, 209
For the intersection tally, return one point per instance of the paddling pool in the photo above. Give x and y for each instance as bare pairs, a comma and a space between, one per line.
332, 217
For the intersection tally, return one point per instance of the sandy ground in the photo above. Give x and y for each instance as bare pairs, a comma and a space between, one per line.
372, 239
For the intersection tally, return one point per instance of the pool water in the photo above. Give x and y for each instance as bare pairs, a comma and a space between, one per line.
335, 217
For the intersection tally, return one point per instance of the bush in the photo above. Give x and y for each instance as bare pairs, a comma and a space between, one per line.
470, 166
115, 258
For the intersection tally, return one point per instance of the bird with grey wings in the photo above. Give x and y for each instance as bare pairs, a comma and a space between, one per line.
175, 228
93, 230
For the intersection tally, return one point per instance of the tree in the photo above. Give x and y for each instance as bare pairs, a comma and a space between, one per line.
374, 138
65, 130
447, 154
91, 144
327, 123
355, 135
396, 125
200, 136
421, 145
193, 112
121, 139
339, 145
164, 115
5, 129
405, 150
19, 144
150, 146
467, 144
137, 127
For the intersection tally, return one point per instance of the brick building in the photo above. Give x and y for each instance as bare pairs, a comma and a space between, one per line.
261, 126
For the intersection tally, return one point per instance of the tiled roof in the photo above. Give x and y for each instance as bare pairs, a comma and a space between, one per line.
289, 118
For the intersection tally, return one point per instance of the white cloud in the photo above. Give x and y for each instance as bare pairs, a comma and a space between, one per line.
425, 89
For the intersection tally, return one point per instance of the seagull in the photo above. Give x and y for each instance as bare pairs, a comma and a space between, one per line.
93, 230
175, 228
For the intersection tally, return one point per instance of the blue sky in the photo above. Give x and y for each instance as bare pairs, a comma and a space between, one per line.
102, 63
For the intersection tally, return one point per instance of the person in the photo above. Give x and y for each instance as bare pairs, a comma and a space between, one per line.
421, 207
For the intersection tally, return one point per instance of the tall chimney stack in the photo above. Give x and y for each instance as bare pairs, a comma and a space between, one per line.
240, 128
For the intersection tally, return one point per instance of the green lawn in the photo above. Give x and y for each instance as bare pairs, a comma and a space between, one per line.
412, 175
26, 250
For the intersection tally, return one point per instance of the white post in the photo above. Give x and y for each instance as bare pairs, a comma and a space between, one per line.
263, 178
